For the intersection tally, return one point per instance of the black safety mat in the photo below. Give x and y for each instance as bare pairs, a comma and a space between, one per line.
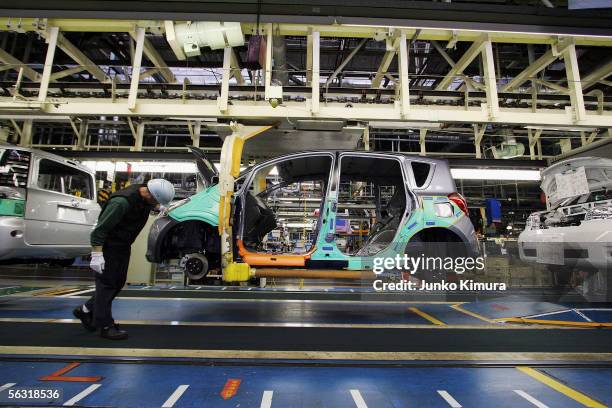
314, 339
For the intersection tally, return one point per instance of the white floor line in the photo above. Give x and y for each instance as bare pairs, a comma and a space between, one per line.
266, 400
359, 401
585, 317
531, 399
6, 386
449, 399
82, 395
175, 396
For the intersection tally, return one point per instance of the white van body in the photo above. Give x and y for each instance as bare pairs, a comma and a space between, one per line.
48, 206
576, 230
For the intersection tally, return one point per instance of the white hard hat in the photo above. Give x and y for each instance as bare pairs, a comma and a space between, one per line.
162, 190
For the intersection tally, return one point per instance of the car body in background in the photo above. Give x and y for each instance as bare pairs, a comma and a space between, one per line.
422, 206
47, 207
575, 232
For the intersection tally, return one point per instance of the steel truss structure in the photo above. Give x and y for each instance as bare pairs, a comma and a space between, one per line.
527, 101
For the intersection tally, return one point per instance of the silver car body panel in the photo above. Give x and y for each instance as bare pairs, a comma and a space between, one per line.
56, 225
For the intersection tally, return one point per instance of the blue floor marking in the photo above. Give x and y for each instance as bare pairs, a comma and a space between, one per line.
599, 316
148, 385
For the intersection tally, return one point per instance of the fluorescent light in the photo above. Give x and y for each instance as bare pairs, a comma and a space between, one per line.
163, 167
496, 174
143, 166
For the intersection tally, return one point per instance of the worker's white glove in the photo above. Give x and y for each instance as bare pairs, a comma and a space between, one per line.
97, 262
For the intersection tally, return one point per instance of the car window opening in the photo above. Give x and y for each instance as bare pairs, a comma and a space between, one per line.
371, 204
283, 197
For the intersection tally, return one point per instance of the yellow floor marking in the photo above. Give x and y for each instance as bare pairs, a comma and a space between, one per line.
560, 387
458, 308
553, 322
427, 316
56, 291
305, 355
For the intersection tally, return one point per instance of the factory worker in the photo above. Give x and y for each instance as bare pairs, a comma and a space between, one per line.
122, 218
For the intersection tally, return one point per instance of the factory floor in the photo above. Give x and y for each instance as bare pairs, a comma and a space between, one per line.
289, 347
295, 384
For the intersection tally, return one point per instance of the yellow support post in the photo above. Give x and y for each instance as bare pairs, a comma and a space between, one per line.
231, 155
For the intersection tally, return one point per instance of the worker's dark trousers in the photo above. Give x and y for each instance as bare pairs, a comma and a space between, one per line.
109, 284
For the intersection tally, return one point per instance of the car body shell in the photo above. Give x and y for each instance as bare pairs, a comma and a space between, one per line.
420, 213
585, 246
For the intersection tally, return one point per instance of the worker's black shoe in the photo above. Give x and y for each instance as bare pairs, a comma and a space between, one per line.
113, 332
85, 318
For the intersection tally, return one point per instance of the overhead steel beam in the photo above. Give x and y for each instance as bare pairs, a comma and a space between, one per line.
67, 72
156, 59
77, 55
138, 140
573, 82
385, 62
534, 140
149, 72
599, 74
443, 52
236, 73
269, 62
552, 85
469, 81
316, 59
545, 60
332, 27
490, 80
479, 131
223, 97
404, 82
133, 95
422, 135
52, 39
195, 131
150, 107
345, 62
462, 64
16, 65
25, 139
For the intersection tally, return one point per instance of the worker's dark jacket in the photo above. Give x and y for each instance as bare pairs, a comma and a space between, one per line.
122, 226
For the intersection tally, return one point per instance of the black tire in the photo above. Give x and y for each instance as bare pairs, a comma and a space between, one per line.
436, 245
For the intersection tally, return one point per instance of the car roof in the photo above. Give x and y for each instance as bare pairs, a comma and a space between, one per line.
410, 156
47, 155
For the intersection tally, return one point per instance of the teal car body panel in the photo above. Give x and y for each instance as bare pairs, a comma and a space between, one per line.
203, 206
422, 217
